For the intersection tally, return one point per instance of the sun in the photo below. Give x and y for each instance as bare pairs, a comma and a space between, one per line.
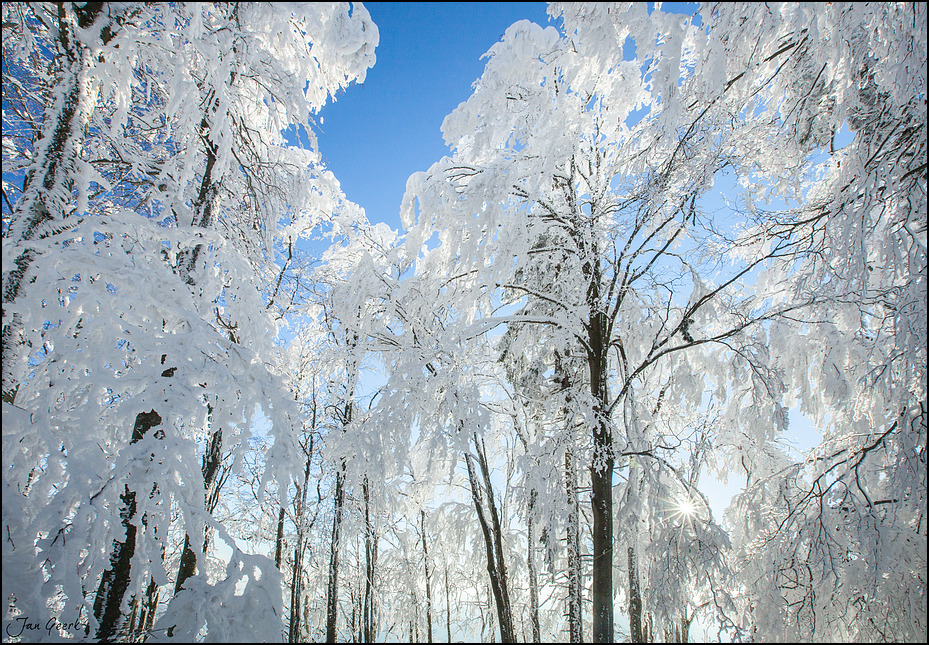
686, 508
683, 508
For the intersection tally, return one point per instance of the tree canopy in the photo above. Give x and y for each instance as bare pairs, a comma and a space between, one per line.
656, 238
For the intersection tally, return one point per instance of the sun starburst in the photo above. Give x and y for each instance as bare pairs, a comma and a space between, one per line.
686, 507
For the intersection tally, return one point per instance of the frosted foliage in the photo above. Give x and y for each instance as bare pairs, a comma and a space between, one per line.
254, 67
816, 539
579, 185
141, 287
680, 554
228, 610
554, 204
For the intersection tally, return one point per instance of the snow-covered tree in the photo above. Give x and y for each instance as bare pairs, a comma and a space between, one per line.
551, 176
577, 188
138, 279
833, 101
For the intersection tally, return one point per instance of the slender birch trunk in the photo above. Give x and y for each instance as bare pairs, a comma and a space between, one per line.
428, 586
533, 574
493, 540
575, 584
635, 599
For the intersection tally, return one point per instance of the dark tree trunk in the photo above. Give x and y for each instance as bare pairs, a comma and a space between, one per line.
212, 459
279, 541
332, 588
602, 588
296, 586
601, 476
369, 618
296, 576
187, 567
448, 605
109, 599
143, 614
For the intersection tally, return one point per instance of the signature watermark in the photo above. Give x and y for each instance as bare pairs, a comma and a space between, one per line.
24, 626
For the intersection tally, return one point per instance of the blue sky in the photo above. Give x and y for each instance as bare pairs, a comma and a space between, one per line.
375, 135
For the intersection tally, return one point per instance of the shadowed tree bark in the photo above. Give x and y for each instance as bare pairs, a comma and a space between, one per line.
109, 599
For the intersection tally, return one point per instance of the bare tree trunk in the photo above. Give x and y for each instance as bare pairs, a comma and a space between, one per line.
602, 588
414, 613
147, 614
635, 600
533, 574
296, 586
448, 605
131, 627
684, 635
426, 567
601, 474
493, 541
575, 581
279, 540
573, 532
142, 617
332, 589
354, 624
491, 633
204, 206
369, 628
212, 459
187, 566
498, 543
296, 580
142, 620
